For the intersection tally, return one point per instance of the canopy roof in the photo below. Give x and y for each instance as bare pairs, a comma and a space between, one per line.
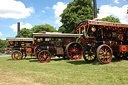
55, 35
19, 39
101, 23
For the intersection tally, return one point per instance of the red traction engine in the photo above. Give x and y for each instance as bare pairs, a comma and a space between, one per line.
99, 40
20, 47
49, 44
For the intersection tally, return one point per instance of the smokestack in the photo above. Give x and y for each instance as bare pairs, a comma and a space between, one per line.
127, 10
95, 8
18, 29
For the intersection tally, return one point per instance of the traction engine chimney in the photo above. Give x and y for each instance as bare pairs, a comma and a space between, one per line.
95, 9
18, 29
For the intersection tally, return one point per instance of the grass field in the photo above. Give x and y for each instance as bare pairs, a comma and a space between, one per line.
62, 72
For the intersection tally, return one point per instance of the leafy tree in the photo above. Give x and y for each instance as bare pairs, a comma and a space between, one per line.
25, 32
36, 29
61, 29
110, 19
75, 12
40, 28
3, 44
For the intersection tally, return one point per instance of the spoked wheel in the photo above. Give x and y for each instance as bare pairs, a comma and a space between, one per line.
44, 56
89, 54
74, 50
104, 54
37, 50
16, 55
119, 55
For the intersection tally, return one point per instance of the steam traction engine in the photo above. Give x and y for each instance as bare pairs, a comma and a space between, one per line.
49, 44
20, 47
43, 45
99, 40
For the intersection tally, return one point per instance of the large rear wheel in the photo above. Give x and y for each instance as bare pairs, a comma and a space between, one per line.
104, 54
74, 50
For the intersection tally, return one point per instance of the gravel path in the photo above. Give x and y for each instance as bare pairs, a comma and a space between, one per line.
4, 55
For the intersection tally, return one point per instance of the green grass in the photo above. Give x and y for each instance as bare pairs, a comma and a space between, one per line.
62, 72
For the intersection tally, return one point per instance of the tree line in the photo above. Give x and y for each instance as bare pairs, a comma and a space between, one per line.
36, 29
3, 44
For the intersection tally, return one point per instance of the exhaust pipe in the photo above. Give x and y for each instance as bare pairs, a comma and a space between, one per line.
127, 10
95, 9
18, 29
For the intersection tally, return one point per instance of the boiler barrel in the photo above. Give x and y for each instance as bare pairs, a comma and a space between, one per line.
49, 48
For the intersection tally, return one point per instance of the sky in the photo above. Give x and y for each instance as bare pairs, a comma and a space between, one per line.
36, 12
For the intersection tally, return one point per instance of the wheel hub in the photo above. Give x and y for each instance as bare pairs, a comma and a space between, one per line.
45, 56
105, 53
16, 55
74, 50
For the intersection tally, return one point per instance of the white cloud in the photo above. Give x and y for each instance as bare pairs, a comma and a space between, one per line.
119, 12
47, 8
116, 1
43, 11
22, 25
3, 38
59, 7
1, 34
14, 9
